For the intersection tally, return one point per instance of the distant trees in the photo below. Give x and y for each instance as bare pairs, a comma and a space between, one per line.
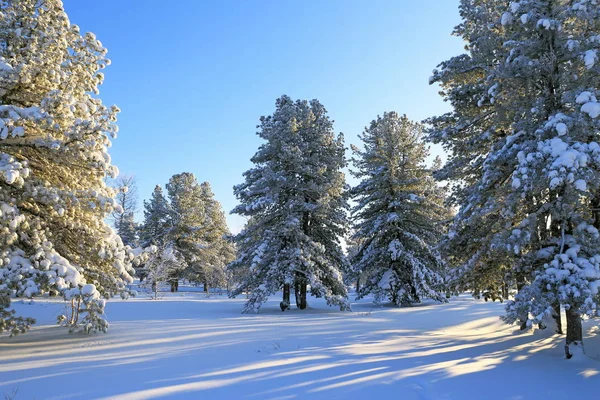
296, 201
54, 139
190, 232
157, 219
525, 158
399, 214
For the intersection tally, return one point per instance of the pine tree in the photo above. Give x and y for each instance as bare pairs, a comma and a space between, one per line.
188, 219
557, 176
193, 225
124, 215
295, 196
128, 230
157, 219
468, 133
539, 183
398, 214
217, 250
54, 136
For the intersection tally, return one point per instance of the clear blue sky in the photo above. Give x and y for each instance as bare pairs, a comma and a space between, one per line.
193, 77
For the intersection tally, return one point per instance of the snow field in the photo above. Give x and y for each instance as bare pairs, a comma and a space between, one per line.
190, 346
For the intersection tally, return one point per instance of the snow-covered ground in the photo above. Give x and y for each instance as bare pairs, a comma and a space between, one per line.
190, 346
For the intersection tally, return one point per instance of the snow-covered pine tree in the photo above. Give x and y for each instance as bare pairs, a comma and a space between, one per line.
295, 196
217, 251
468, 133
399, 215
540, 180
192, 223
124, 215
157, 219
128, 230
554, 66
54, 136
153, 231
188, 219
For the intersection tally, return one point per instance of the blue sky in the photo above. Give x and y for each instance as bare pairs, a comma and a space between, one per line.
193, 77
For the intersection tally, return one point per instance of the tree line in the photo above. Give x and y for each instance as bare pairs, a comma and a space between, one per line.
184, 233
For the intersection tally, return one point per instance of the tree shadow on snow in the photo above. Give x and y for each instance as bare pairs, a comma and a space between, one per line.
452, 351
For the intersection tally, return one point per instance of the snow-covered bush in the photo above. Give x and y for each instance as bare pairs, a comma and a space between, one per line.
164, 265
85, 310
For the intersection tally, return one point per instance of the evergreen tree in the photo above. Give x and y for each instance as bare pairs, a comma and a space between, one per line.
188, 218
557, 176
398, 214
54, 138
217, 250
295, 196
468, 133
124, 215
193, 225
128, 230
539, 182
157, 219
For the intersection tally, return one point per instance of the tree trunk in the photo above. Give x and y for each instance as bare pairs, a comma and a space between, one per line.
523, 325
574, 332
595, 203
77, 309
285, 304
394, 295
357, 285
414, 294
206, 286
286, 293
504, 290
520, 281
303, 303
557, 318
306, 229
297, 292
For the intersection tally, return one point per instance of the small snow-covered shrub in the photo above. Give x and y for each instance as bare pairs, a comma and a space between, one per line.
85, 310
